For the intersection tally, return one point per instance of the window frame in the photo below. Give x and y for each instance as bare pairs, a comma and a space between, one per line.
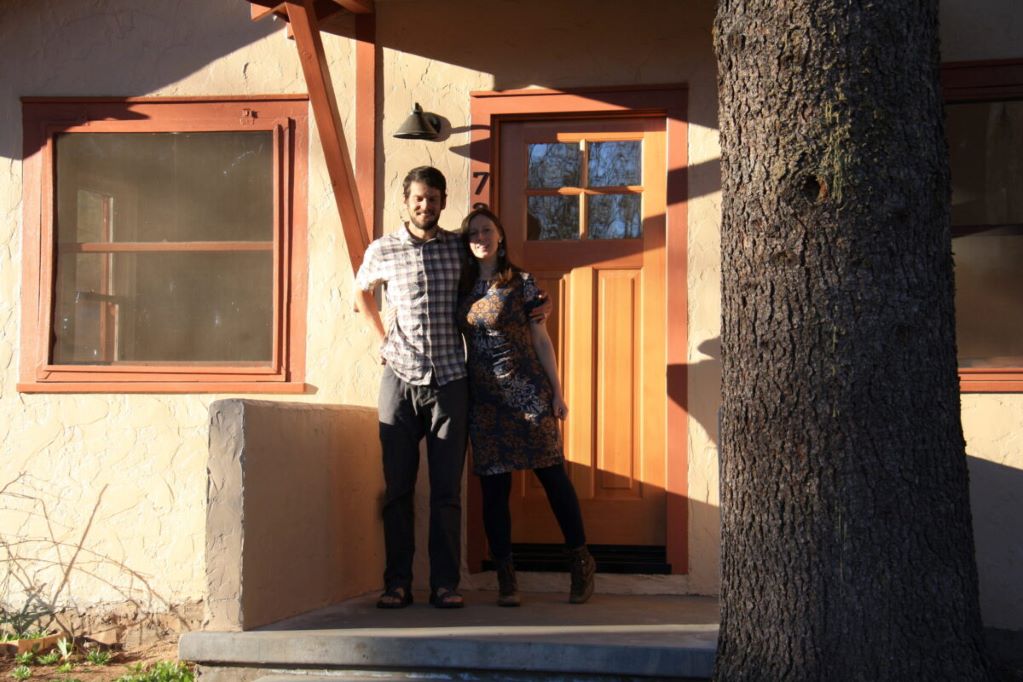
985, 81
584, 190
286, 118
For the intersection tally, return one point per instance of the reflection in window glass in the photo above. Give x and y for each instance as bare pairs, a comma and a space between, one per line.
986, 158
135, 303
614, 216
613, 164
169, 186
989, 305
164, 307
554, 165
552, 217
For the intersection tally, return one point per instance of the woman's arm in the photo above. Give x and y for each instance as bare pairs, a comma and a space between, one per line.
545, 351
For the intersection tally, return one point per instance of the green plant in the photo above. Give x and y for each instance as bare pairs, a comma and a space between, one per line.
66, 667
98, 657
66, 647
22, 672
25, 658
49, 658
161, 671
21, 621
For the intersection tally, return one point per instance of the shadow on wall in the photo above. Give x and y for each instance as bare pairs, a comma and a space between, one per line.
42, 567
115, 48
995, 492
293, 521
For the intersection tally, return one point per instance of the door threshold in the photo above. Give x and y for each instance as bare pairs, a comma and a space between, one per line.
551, 558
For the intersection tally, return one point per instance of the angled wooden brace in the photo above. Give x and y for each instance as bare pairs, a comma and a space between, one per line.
350, 206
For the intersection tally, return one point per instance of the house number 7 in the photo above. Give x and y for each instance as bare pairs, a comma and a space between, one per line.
483, 176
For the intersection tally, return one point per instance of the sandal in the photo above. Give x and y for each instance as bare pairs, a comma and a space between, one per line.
397, 597
446, 598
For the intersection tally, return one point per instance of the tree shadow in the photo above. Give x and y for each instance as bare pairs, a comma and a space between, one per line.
39, 569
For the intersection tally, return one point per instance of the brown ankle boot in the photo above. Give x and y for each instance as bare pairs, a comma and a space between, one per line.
582, 567
507, 585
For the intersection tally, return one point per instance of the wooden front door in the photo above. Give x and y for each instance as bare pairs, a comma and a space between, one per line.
583, 203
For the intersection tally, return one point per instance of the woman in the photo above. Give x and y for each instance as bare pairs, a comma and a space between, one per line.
515, 401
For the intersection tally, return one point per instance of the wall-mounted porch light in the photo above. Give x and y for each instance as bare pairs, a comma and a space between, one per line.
420, 125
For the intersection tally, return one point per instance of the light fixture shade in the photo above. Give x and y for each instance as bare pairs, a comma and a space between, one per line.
420, 125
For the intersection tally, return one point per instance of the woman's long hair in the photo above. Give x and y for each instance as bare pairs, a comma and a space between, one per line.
505, 269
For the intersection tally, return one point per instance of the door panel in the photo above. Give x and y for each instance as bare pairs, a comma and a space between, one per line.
583, 203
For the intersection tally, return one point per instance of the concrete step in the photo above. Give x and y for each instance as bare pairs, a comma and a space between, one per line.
613, 637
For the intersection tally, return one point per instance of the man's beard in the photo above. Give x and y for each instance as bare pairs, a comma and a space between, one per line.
425, 224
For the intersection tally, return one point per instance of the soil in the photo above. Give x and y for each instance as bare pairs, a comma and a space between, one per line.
121, 663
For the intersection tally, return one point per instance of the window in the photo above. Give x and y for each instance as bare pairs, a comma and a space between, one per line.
984, 125
590, 188
164, 244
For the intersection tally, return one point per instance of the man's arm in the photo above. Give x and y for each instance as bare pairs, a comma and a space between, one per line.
366, 306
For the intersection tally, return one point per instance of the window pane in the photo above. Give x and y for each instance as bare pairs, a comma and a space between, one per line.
614, 164
989, 298
554, 165
552, 217
986, 159
167, 186
614, 216
164, 307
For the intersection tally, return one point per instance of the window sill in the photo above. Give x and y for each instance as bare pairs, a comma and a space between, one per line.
165, 387
987, 381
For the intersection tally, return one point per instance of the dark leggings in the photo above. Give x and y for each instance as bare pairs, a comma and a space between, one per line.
560, 494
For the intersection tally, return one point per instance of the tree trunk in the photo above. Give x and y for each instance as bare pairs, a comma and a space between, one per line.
847, 544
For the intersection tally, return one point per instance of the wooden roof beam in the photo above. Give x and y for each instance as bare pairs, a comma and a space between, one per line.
304, 23
358, 6
260, 9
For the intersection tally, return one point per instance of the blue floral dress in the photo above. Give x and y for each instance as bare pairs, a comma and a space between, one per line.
511, 419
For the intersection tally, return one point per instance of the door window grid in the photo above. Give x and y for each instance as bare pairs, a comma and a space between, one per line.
584, 187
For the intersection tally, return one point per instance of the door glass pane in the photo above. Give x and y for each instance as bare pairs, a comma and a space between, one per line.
552, 217
168, 186
614, 164
164, 307
554, 165
614, 216
989, 297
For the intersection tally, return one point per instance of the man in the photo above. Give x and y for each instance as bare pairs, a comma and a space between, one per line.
423, 390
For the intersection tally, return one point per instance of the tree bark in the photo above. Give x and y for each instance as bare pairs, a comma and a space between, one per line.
847, 544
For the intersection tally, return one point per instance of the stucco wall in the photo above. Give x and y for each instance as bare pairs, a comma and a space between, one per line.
124, 476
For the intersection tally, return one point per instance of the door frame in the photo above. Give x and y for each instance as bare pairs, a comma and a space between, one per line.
489, 109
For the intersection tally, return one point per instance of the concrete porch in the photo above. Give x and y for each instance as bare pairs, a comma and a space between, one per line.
294, 557
613, 637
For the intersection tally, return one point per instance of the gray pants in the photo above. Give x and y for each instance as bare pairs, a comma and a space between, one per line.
407, 414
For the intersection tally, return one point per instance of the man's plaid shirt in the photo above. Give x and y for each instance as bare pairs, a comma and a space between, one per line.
421, 284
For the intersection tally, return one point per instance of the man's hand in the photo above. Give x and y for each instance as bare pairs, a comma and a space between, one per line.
540, 313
